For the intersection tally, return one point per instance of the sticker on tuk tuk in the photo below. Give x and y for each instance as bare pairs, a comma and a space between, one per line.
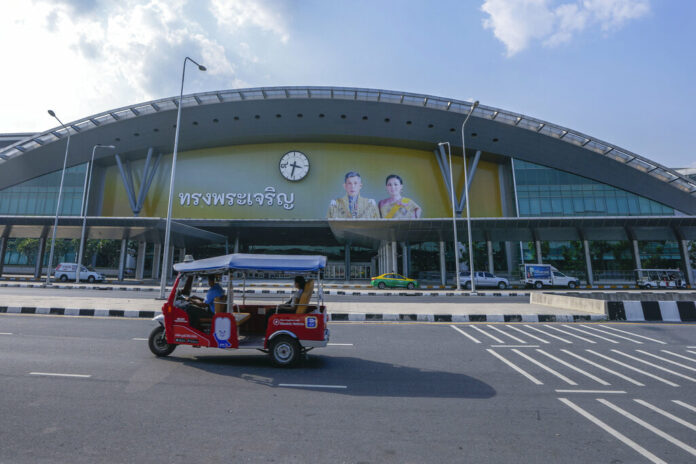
223, 330
311, 322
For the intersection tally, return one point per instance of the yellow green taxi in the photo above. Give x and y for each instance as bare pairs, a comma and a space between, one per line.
394, 280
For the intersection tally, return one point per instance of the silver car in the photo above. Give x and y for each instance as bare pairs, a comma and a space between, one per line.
483, 279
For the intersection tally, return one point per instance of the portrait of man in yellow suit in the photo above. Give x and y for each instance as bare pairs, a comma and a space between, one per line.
352, 205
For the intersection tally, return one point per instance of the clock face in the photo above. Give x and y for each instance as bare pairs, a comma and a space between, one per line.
294, 165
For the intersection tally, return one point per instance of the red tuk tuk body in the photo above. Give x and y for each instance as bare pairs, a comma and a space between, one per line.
284, 335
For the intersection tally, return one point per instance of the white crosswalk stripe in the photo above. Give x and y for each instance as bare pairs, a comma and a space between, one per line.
684, 405
640, 371
612, 334
549, 335
604, 368
487, 334
571, 334
668, 415
683, 366
516, 367
631, 334
465, 334
576, 369
590, 333
517, 339
528, 334
653, 429
546, 368
679, 355
664, 369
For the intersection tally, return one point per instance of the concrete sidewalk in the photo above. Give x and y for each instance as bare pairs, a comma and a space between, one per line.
348, 311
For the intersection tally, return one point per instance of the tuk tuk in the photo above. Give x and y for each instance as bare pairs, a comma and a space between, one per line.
659, 278
283, 331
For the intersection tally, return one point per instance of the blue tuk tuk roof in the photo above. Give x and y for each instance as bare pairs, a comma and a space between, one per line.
256, 262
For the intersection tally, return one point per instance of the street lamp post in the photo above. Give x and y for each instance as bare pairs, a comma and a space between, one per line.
85, 205
466, 198
60, 194
165, 260
454, 216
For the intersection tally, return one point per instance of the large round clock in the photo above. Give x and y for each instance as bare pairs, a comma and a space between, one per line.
294, 165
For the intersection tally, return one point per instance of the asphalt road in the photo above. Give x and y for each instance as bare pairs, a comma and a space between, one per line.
395, 393
84, 293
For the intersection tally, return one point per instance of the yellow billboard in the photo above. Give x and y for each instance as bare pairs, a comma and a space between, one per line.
303, 181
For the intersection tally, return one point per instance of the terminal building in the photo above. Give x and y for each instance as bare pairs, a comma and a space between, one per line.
361, 175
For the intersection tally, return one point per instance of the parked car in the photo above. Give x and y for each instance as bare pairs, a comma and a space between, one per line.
394, 280
483, 279
68, 271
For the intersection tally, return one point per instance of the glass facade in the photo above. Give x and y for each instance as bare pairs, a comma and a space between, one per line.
543, 191
38, 197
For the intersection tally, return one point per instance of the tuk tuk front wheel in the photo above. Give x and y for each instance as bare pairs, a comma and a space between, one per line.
285, 351
158, 342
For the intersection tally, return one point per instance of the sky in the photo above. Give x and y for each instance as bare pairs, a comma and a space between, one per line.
622, 71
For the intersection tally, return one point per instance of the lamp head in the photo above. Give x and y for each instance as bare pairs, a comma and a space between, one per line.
52, 113
201, 67
476, 103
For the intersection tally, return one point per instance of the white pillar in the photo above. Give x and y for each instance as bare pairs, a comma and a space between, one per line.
156, 260
182, 255
122, 258
538, 251
404, 259
394, 260
443, 270
683, 248
236, 245
140, 261
636, 254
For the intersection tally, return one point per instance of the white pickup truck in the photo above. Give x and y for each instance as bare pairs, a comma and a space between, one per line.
541, 275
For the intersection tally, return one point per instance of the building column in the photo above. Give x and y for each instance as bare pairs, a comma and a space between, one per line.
236, 244
347, 261
508, 258
156, 260
39, 258
122, 259
636, 253
588, 262
489, 249
443, 271
3, 250
140, 261
182, 255
537, 243
373, 266
395, 259
404, 259
683, 249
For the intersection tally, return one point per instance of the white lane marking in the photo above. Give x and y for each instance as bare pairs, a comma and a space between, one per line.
549, 335
606, 369
648, 363
571, 334
528, 334
518, 340
618, 435
546, 368
691, 346
684, 405
692, 352
590, 333
576, 369
53, 374
5, 333
610, 392
514, 346
631, 334
302, 385
679, 355
515, 367
683, 366
640, 371
139, 339
668, 415
464, 333
488, 335
609, 333
340, 344
644, 424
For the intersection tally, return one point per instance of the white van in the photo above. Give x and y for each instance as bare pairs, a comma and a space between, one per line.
68, 271
540, 275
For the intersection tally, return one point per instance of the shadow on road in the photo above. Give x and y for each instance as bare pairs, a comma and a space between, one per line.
361, 377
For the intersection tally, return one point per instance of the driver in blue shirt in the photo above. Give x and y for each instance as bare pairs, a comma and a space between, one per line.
213, 292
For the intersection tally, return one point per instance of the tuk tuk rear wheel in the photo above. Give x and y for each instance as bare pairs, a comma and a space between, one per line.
158, 342
285, 351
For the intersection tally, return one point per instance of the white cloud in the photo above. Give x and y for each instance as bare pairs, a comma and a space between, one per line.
81, 57
518, 23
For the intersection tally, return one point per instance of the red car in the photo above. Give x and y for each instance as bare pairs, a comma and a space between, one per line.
285, 332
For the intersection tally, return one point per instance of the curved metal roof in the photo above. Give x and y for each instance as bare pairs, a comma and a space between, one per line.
666, 176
